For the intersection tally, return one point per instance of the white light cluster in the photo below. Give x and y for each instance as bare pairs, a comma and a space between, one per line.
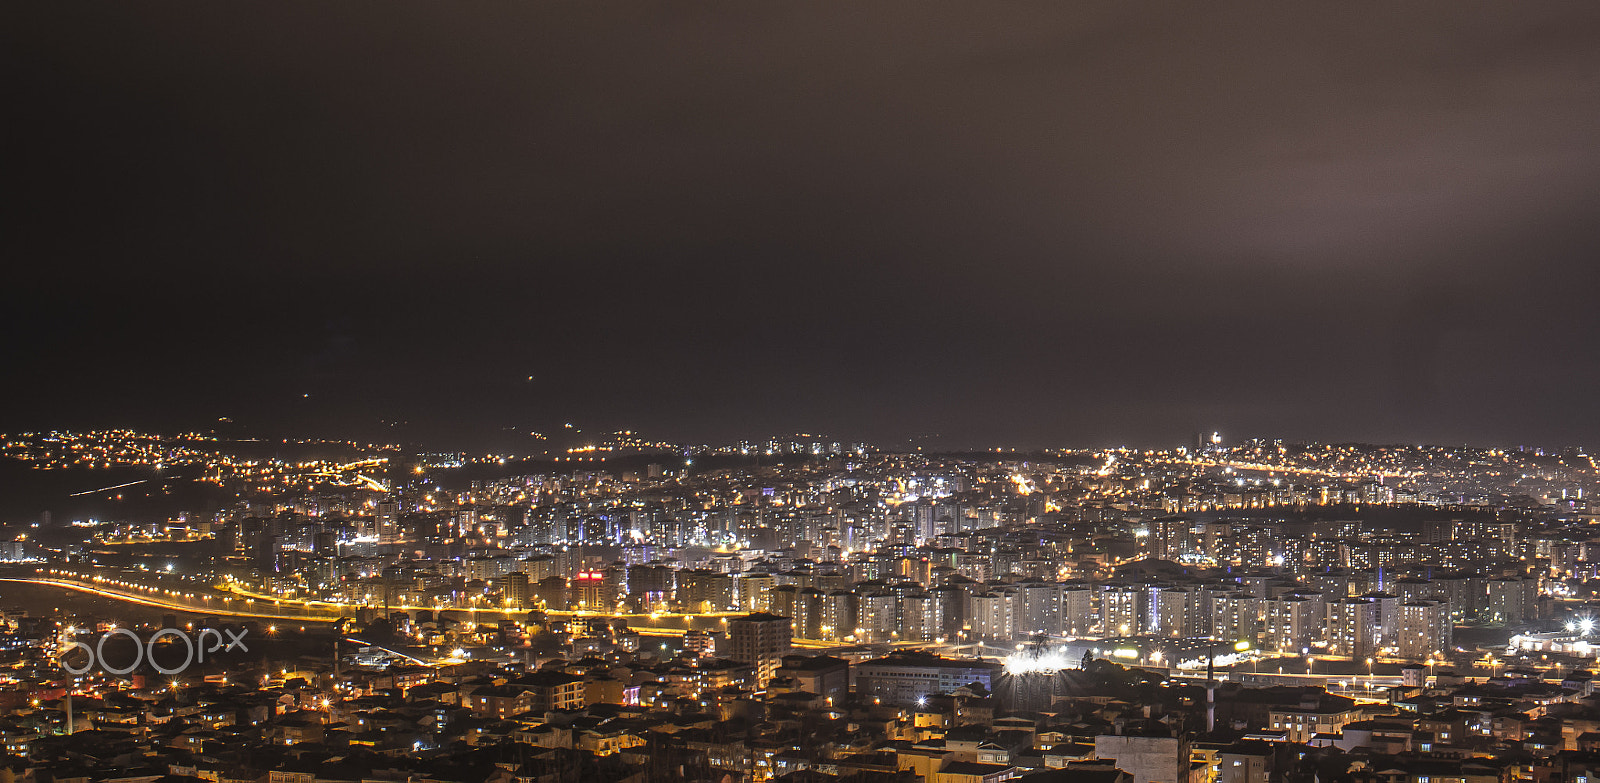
1046, 661
1223, 660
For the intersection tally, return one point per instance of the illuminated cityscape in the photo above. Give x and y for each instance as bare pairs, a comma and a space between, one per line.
1074, 392
603, 608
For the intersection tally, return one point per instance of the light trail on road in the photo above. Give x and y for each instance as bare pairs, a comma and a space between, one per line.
161, 604
337, 610
107, 489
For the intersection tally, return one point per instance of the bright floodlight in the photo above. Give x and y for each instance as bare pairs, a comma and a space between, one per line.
1587, 624
1034, 662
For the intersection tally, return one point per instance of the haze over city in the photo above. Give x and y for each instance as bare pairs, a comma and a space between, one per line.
1079, 225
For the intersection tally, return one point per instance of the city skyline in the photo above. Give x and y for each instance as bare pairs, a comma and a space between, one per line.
1088, 392
240, 610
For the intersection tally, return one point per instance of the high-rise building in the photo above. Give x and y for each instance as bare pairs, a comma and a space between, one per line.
1424, 629
1292, 623
1120, 610
783, 600
1171, 611
877, 617
386, 521
919, 618
992, 613
518, 590
1201, 596
750, 591
1353, 627
1259, 546
837, 615
1467, 594
554, 593
1512, 600
702, 590
1077, 610
1038, 610
808, 613
1171, 537
1217, 542
1388, 616
589, 590
1235, 617
952, 610
650, 585
761, 640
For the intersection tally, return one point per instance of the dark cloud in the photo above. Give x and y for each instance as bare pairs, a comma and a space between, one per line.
1019, 222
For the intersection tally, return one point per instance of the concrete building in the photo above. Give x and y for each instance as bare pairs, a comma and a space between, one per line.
1146, 759
1292, 623
823, 675
877, 617
836, 615
761, 640
1235, 617
386, 522
1038, 610
1425, 629
1512, 600
992, 614
702, 590
1353, 627
1171, 538
919, 618
1245, 762
1388, 616
518, 590
1077, 610
1121, 610
903, 678
1171, 611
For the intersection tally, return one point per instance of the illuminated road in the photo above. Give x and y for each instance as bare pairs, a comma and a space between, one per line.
558, 614
412, 658
107, 489
236, 601
655, 624
1261, 467
164, 603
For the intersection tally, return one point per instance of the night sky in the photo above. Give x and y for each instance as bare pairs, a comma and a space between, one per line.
1053, 223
